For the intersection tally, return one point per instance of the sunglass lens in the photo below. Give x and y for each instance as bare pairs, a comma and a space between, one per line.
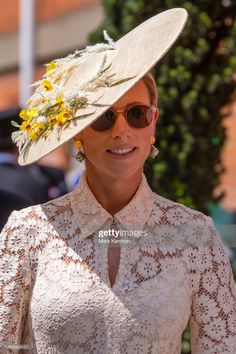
139, 116
104, 122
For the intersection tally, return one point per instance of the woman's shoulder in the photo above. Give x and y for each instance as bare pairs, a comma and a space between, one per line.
187, 226
51, 205
178, 213
36, 225
39, 215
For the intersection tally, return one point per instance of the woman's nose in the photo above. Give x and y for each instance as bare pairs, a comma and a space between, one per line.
121, 126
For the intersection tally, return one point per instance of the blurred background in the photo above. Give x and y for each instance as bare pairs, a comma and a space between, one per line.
196, 131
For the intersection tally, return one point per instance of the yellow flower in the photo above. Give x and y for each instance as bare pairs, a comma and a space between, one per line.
60, 101
63, 117
28, 114
33, 134
36, 130
25, 126
47, 85
24, 114
51, 66
32, 113
52, 121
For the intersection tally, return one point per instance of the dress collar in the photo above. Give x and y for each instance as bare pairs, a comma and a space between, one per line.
91, 216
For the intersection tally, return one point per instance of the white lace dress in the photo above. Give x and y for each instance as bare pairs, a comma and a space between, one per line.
55, 292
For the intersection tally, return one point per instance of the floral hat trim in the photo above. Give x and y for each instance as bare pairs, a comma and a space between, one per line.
51, 107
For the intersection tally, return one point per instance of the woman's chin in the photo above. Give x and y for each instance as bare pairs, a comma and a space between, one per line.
124, 173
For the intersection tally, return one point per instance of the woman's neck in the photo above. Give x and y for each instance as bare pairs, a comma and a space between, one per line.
113, 193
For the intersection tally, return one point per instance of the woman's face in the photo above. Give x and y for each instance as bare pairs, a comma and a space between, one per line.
98, 146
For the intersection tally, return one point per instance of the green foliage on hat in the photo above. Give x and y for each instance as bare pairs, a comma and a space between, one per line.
194, 82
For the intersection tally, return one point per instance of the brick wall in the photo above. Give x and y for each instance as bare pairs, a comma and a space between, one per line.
44, 10
228, 180
9, 87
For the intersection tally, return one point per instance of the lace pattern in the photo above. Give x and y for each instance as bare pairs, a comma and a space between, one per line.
55, 293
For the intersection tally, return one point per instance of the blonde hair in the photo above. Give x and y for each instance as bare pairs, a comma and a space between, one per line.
150, 83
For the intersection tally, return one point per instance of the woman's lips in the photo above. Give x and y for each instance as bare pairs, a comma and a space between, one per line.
121, 153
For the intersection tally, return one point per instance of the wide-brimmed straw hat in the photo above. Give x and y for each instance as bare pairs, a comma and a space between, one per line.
77, 89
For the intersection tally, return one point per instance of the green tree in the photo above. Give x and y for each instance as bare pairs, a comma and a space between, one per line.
194, 82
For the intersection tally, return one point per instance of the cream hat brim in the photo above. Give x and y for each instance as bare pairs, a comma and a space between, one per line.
134, 55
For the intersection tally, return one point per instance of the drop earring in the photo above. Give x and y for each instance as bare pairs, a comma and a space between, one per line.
154, 150
80, 155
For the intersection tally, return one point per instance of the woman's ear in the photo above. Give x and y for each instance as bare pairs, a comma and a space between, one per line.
156, 114
155, 120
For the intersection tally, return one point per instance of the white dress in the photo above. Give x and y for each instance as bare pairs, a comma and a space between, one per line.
55, 292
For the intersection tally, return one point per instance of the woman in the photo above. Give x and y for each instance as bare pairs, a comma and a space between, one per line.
111, 267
